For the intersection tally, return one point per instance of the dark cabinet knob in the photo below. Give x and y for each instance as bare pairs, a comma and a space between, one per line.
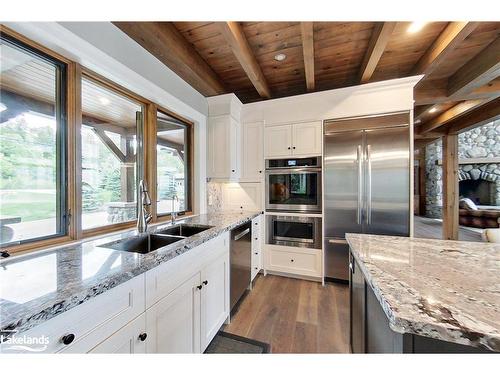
291, 260
200, 287
289, 148
232, 170
256, 253
260, 171
293, 147
143, 336
256, 268
205, 282
68, 339
256, 239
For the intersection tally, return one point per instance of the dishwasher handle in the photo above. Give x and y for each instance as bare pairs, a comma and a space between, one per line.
241, 234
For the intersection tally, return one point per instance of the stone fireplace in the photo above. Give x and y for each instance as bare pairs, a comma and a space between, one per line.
479, 168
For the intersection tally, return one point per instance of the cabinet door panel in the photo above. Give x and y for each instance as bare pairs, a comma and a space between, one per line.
278, 141
214, 298
219, 135
173, 324
253, 152
126, 340
307, 139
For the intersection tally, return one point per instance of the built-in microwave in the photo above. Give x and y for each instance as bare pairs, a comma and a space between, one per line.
293, 185
298, 231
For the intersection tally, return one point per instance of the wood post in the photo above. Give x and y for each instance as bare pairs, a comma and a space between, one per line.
450, 187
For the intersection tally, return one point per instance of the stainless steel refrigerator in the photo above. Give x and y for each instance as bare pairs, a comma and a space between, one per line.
366, 183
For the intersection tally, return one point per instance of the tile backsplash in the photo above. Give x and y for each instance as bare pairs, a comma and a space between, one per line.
214, 197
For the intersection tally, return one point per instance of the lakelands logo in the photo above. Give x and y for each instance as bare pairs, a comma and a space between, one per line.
11, 342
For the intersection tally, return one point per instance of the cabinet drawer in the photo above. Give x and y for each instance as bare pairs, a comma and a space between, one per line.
302, 263
92, 321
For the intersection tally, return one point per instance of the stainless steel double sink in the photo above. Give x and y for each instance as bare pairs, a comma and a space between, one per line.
147, 242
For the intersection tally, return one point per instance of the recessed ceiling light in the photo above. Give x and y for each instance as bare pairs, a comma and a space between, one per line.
280, 57
3, 107
416, 26
432, 110
104, 101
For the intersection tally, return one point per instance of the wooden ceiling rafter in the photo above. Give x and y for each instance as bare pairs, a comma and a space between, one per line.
166, 43
456, 111
446, 42
376, 47
235, 37
477, 72
307, 35
477, 117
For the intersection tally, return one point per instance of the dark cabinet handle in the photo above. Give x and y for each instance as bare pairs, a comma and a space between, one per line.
68, 339
256, 268
289, 148
293, 147
205, 282
256, 239
256, 253
260, 171
200, 287
232, 170
291, 260
143, 336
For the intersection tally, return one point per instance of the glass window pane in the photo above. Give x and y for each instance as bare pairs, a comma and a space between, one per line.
109, 149
171, 164
32, 197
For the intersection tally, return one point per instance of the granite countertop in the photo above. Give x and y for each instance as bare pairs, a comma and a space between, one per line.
447, 290
40, 285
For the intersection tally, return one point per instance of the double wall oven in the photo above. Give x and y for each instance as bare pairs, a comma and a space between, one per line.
293, 185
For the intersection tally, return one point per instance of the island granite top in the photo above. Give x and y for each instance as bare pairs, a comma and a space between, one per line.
40, 285
446, 290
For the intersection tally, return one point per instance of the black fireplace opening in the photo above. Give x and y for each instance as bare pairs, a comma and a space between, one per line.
480, 191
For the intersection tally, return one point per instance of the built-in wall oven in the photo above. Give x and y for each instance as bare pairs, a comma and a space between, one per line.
298, 231
293, 184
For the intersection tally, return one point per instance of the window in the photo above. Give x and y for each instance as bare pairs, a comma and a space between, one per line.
32, 144
109, 144
172, 164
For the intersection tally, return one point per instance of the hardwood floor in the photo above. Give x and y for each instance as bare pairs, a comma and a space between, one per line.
295, 316
431, 228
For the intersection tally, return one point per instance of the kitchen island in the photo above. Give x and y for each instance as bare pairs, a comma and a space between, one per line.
412, 295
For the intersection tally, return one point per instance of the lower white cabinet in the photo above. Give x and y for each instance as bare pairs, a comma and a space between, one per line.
173, 324
214, 298
257, 236
128, 340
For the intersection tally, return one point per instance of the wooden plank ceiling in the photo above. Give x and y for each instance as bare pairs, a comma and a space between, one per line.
460, 61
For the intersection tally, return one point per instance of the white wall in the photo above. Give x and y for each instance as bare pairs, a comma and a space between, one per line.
372, 98
103, 48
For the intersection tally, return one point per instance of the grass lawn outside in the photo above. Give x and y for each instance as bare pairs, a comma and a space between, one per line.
28, 204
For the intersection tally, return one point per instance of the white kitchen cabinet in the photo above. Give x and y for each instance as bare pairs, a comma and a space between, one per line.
304, 139
294, 260
307, 139
224, 148
252, 165
173, 324
278, 141
128, 340
214, 298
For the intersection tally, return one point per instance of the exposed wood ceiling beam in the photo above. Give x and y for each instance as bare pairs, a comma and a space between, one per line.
479, 116
168, 45
307, 33
379, 39
420, 111
433, 92
110, 144
235, 37
450, 114
446, 42
480, 70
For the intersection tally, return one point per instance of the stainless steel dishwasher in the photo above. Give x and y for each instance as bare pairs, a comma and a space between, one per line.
240, 259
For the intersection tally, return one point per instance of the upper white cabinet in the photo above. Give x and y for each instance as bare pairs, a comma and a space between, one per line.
304, 139
252, 146
224, 140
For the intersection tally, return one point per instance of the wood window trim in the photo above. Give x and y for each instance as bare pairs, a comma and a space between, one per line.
71, 84
190, 160
75, 73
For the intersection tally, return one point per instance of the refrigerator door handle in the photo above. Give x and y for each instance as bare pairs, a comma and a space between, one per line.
360, 183
369, 185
